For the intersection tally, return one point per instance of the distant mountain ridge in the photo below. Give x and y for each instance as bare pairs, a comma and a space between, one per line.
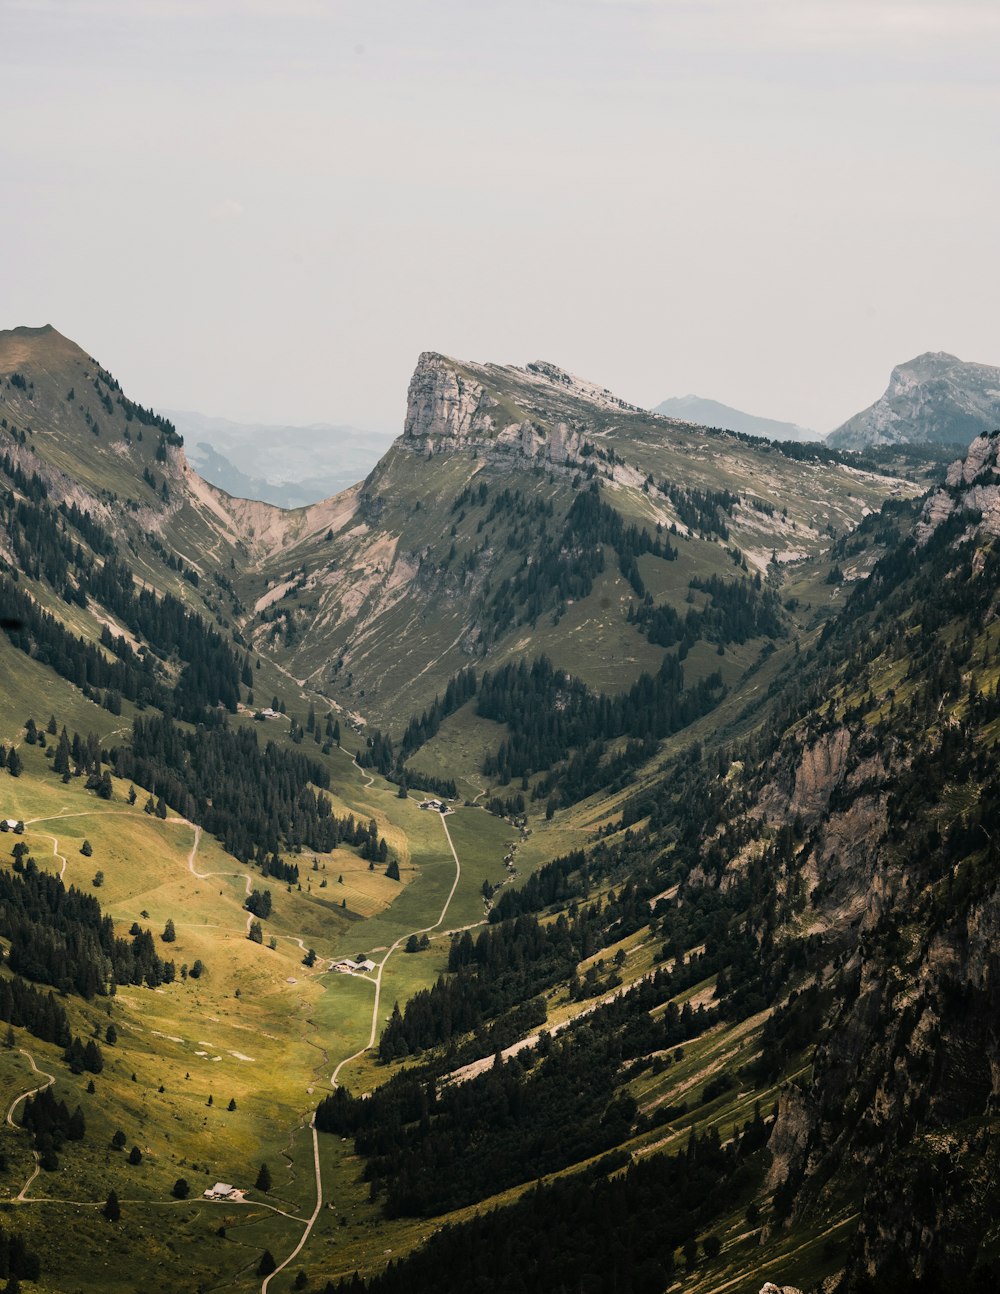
712, 413
934, 398
288, 465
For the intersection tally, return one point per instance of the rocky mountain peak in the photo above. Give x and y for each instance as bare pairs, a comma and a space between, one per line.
457, 400
569, 383
932, 363
934, 398
25, 346
539, 411
444, 400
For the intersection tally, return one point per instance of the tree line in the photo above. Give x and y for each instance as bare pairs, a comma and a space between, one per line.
506, 964
431, 1147
61, 937
549, 713
255, 801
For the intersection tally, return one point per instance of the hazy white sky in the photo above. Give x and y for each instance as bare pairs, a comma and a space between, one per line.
265, 209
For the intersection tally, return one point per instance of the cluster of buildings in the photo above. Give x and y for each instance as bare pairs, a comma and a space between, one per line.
347, 966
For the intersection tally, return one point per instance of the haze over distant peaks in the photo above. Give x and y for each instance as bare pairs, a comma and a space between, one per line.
711, 413
287, 465
935, 398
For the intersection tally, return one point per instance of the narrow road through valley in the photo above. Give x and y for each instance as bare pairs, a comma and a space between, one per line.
370, 1043
315, 1213
398, 944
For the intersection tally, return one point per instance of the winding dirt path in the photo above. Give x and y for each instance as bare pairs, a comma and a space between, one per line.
55, 851
315, 1213
22, 1195
204, 876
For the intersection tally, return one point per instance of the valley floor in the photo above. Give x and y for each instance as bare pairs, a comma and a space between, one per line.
259, 1030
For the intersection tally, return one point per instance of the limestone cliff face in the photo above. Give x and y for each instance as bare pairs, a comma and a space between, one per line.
539, 412
971, 485
443, 402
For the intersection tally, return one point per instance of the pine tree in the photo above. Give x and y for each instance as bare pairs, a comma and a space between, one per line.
263, 1182
112, 1209
60, 762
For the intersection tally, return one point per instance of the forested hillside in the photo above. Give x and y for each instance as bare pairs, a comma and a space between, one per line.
836, 874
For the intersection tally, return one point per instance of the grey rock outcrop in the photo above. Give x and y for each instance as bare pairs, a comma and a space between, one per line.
935, 398
537, 412
972, 485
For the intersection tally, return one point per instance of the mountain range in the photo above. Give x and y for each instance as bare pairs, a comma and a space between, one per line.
934, 399
563, 859
710, 413
289, 466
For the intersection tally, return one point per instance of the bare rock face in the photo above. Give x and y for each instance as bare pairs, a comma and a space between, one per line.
792, 1133
820, 770
444, 402
454, 406
770, 1288
971, 485
934, 398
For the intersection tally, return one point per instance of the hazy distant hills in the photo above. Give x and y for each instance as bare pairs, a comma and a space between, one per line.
710, 413
932, 399
290, 466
